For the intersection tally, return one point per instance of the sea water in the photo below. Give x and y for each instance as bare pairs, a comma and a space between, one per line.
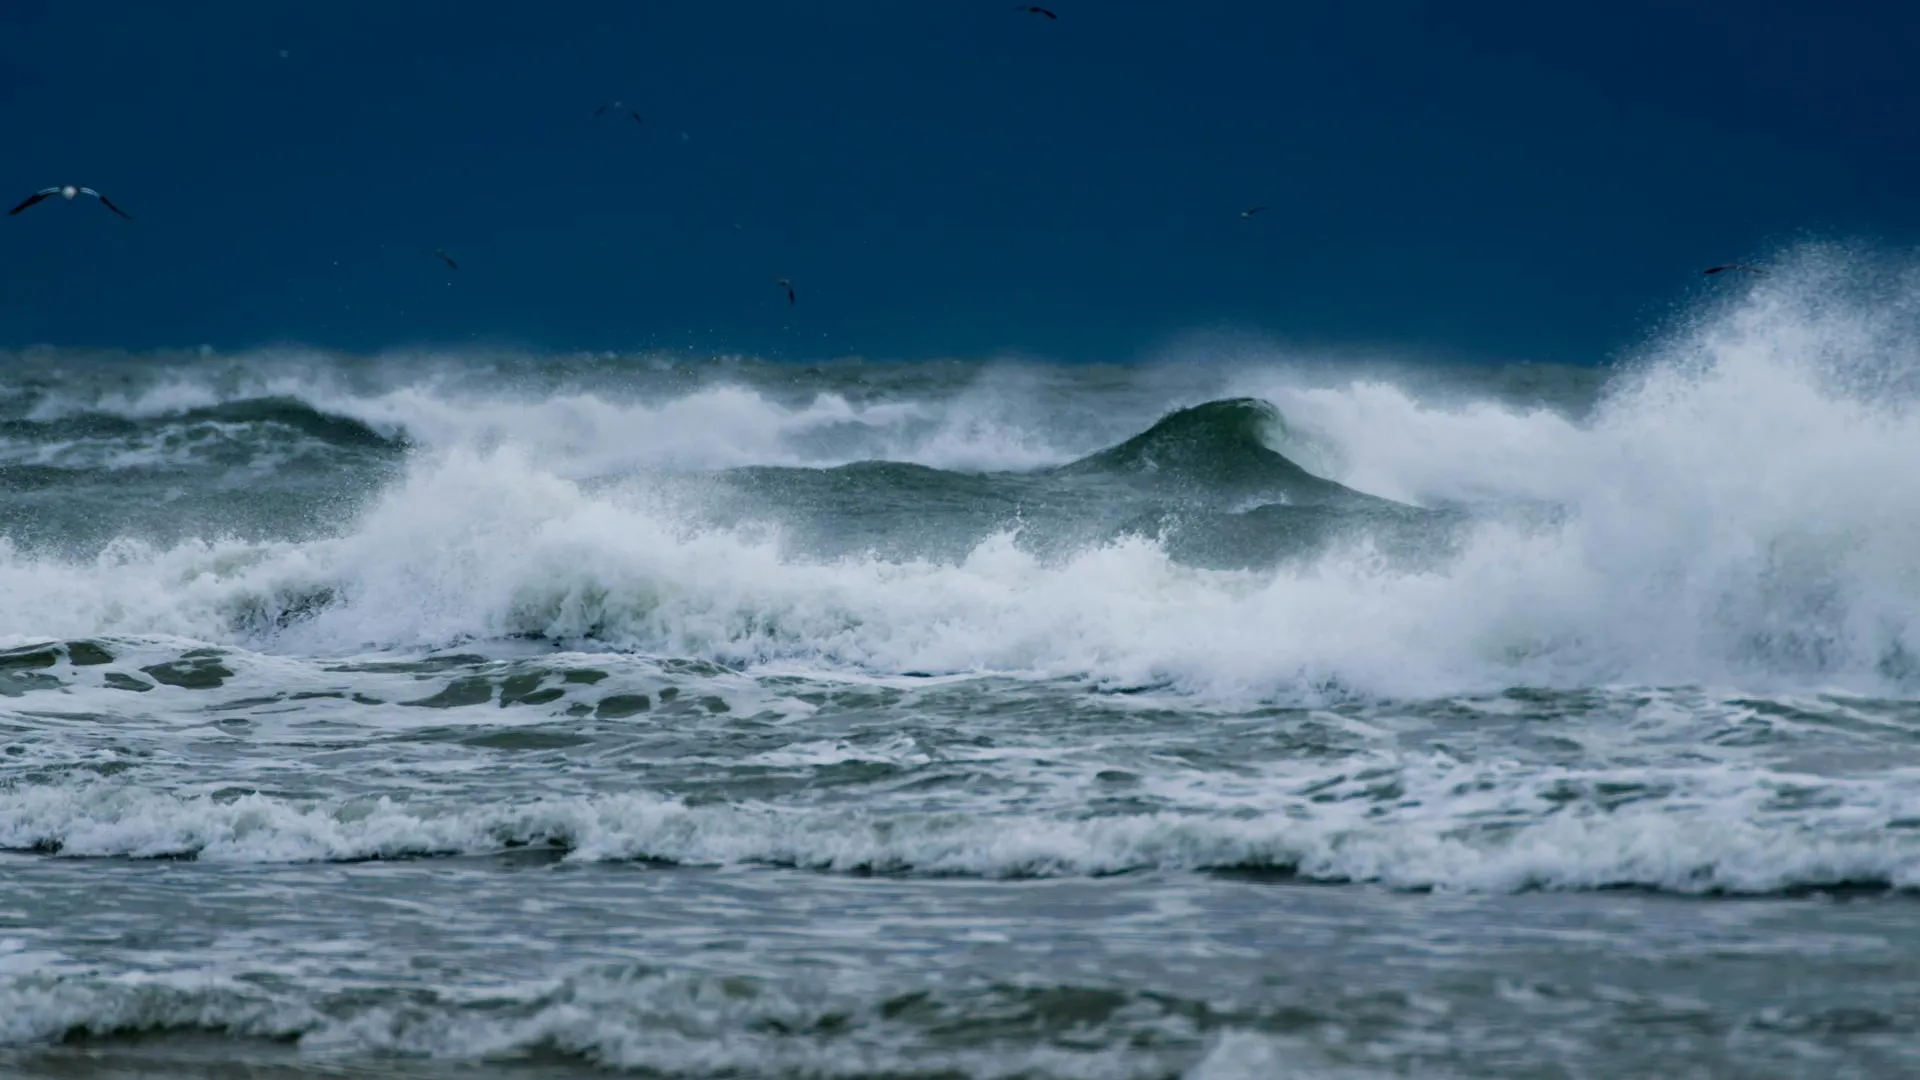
1247, 714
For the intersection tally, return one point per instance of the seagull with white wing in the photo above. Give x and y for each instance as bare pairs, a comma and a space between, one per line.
67, 192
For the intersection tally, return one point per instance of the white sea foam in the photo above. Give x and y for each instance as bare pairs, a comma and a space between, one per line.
677, 1023
1447, 826
49, 1005
592, 430
1733, 514
1247, 1055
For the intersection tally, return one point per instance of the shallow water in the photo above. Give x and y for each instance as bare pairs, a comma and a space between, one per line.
543, 967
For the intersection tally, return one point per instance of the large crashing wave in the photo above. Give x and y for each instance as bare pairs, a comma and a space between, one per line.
1734, 510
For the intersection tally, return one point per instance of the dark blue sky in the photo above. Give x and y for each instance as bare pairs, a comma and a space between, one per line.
937, 177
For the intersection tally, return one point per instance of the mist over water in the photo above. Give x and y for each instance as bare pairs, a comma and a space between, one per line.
1235, 619
1724, 509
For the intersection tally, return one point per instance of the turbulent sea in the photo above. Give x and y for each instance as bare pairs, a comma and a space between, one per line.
1241, 716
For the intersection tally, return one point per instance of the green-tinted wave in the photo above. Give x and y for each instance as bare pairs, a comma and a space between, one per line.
1218, 448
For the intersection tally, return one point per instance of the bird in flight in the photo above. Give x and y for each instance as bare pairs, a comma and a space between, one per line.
446, 258
68, 191
1250, 211
619, 105
1033, 10
787, 285
1733, 266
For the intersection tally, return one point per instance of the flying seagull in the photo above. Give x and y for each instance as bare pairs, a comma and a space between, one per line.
1733, 266
787, 285
1032, 10
1250, 211
635, 113
446, 258
68, 191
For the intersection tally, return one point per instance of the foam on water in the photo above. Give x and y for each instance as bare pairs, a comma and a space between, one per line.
531, 658
1419, 822
604, 426
631, 1018
1735, 511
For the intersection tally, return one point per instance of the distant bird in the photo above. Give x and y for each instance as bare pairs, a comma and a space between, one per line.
621, 105
787, 285
1031, 10
446, 258
1734, 266
67, 192
1250, 211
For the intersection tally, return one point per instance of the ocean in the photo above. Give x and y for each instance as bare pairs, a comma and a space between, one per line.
1254, 713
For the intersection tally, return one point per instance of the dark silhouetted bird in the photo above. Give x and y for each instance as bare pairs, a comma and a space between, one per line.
622, 106
68, 192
